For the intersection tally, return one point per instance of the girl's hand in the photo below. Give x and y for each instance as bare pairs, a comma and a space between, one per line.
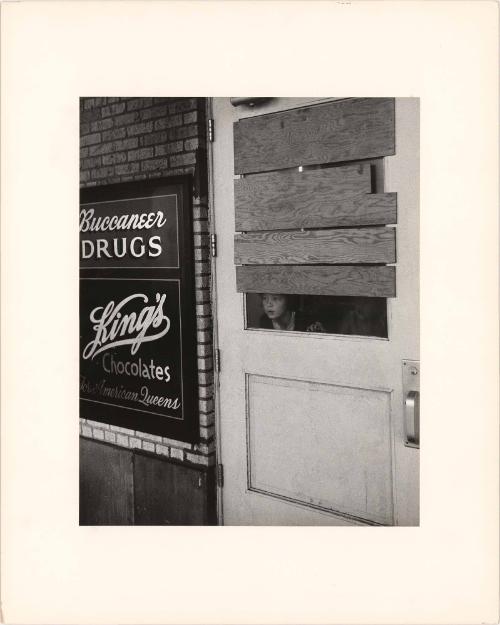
317, 326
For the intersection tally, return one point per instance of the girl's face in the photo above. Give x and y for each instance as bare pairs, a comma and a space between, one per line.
274, 305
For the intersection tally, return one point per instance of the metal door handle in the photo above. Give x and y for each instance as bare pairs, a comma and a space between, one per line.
412, 419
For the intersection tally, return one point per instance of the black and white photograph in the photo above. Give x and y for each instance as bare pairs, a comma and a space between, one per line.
249, 355
249, 311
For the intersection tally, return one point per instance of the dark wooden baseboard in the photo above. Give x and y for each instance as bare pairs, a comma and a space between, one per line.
128, 487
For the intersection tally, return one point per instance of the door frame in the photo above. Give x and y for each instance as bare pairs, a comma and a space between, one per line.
215, 319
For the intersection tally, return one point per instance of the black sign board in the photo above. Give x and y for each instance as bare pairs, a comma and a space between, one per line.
130, 233
137, 308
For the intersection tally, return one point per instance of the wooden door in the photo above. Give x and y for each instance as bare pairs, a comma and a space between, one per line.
311, 424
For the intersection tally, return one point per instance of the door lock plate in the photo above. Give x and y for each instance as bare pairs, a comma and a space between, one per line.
411, 402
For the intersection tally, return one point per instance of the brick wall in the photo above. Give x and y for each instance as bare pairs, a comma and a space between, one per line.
129, 139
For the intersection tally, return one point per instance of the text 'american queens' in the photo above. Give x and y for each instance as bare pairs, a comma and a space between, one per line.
118, 247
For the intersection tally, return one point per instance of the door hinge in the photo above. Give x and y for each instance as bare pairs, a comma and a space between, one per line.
213, 245
220, 475
217, 360
211, 130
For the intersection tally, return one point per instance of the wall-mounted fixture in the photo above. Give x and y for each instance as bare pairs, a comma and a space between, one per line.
248, 101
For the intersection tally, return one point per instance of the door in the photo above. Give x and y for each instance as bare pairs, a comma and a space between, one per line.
311, 424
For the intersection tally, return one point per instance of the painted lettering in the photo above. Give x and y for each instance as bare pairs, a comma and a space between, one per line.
114, 325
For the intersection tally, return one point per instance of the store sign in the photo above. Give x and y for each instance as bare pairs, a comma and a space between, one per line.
137, 321
130, 233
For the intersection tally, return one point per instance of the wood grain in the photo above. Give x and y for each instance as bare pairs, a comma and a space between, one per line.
344, 130
341, 246
339, 196
357, 281
169, 494
361, 210
295, 194
106, 484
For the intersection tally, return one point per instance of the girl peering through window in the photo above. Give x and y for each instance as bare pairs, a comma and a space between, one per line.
281, 313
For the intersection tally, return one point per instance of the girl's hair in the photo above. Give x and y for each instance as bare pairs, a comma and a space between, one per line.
292, 301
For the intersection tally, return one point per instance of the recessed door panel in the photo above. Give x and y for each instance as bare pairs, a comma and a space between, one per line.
325, 446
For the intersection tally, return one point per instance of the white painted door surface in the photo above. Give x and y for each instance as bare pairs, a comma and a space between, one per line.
310, 426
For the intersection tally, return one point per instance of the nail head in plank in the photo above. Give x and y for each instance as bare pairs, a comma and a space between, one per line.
356, 281
338, 131
341, 246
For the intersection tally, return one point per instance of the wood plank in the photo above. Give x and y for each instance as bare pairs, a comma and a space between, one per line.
298, 192
361, 210
342, 246
339, 196
351, 280
106, 484
170, 494
343, 130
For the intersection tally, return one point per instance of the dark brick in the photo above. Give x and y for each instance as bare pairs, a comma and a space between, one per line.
90, 116
183, 159
156, 111
101, 124
140, 129
101, 148
183, 105
114, 146
113, 109
156, 164
103, 172
126, 144
90, 139
113, 159
191, 145
110, 135
112, 180
84, 176
132, 177
168, 148
168, 122
180, 171
127, 118
84, 128
184, 132
84, 152
139, 103
89, 103
93, 161
141, 154
129, 168
153, 139
191, 118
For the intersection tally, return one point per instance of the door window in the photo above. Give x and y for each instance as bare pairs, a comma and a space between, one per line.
361, 316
